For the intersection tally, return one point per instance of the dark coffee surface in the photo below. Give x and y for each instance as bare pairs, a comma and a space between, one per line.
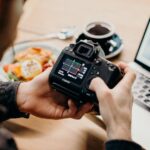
98, 30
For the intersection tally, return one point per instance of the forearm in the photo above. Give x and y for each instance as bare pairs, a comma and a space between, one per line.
8, 105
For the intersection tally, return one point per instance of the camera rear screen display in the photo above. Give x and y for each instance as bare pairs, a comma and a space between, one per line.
72, 69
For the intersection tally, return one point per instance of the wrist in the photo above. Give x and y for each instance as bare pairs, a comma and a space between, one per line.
22, 96
119, 132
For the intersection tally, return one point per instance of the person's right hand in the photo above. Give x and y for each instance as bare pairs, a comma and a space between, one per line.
116, 104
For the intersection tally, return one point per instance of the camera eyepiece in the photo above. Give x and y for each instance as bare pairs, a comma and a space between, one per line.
89, 50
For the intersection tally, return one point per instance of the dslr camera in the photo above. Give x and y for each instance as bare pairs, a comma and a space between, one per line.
76, 66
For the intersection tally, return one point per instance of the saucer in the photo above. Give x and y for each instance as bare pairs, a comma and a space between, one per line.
109, 50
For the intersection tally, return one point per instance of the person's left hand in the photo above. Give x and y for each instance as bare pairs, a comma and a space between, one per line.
38, 98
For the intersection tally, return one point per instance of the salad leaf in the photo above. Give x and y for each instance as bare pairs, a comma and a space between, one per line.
12, 76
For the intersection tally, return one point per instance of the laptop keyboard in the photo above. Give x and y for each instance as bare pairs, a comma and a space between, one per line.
141, 90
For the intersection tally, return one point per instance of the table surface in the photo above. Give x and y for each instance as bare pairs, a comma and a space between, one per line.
41, 17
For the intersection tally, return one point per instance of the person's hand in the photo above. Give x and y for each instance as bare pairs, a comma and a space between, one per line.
38, 98
116, 104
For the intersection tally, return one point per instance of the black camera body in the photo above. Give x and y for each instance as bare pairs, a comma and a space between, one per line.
76, 66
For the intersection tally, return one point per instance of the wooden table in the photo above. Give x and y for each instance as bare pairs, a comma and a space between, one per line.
40, 17
129, 18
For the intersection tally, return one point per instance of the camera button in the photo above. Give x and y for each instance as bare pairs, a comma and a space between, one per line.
67, 48
108, 63
71, 46
98, 62
112, 67
98, 73
88, 94
91, 73
94, 68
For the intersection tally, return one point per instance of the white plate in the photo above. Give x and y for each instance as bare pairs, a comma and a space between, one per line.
8, 56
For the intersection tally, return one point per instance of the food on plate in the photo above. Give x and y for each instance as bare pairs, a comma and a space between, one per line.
29, 63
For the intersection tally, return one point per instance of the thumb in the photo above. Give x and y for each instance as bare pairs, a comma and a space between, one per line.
99, 87
44, 75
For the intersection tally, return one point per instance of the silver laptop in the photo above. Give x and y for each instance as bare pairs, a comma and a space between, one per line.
141, 64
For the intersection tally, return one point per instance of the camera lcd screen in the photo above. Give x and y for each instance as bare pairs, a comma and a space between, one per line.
72, 69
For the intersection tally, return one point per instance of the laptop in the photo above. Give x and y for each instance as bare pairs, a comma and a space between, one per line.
141, 64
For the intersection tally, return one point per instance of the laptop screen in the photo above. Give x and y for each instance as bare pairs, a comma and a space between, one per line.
143, 54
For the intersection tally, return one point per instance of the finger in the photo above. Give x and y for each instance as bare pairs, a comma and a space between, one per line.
40, 80
97, 84
83, 109
72, 107
44, 76
100, 88
71, 111
47, 72
128, 78
123, 66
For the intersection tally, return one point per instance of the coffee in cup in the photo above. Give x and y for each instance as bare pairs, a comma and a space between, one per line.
99, 30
